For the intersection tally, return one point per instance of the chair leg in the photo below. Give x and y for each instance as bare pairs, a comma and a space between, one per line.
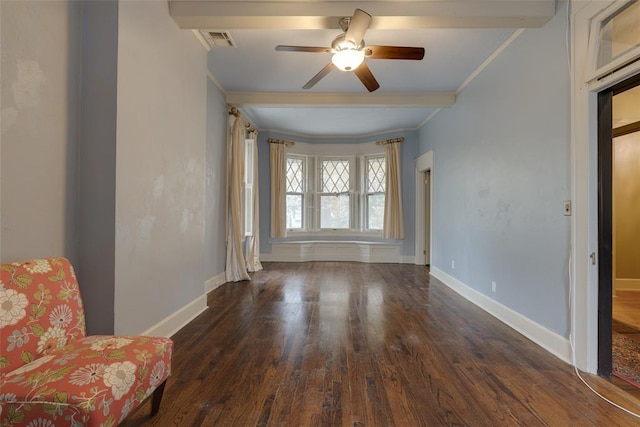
157, 398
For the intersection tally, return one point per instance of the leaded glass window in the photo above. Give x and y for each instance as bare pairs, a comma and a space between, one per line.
375, 176
295, 172
335, 197
335, 176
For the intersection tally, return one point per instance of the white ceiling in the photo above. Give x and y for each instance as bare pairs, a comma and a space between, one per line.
267, 85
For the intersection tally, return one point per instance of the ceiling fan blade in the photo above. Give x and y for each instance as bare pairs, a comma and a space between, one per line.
366, 77
394, 52
359, 23
311, 49
315, 79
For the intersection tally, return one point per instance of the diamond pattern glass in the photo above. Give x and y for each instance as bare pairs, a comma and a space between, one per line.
295, 175
376, 171
335, 176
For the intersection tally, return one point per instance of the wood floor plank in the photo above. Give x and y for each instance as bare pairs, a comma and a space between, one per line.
349, 344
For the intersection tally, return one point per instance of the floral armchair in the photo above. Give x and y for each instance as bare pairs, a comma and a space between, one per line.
51, 373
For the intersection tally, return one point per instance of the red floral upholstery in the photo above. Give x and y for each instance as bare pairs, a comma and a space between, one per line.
51, 374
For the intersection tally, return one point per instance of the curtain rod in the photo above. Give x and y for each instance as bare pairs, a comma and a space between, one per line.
390, 141
233, 111
281, 141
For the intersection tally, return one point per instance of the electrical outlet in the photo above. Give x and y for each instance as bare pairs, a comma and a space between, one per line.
567, 208
453, 264
493, 286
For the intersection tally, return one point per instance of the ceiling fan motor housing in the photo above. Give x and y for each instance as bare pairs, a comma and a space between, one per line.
340, 43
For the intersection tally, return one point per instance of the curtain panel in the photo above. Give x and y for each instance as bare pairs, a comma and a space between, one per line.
393, 227
236, 268
278, 157
253, 241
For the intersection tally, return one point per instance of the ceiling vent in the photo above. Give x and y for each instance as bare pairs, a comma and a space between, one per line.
217, 38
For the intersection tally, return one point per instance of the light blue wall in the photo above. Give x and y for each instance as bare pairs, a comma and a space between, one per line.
215, 191
501, 174
120, 182
160, 167
41, 68
409, 152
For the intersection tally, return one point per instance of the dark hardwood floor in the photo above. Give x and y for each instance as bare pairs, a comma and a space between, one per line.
351, 344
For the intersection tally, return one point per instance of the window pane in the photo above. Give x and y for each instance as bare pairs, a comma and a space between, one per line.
334, 211
294, 211
375, 211
375, 174
248, 187
335, 176
295, 175
248, 211
248, 161
619, 34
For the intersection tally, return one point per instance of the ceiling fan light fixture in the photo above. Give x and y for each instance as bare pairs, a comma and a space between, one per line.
349, 51
348, 59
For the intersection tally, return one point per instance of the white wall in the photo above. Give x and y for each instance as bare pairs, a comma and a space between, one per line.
161, 164
40, 73
501, 162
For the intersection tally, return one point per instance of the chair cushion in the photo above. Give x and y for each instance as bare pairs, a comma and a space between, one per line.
40, 310
92, 381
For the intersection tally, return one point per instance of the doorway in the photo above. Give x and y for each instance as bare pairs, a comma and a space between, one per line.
424, 210
427, 215
619, 231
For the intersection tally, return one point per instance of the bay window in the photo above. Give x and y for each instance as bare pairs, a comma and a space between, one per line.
335, 194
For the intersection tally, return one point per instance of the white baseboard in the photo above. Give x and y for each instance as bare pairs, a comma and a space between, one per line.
215, 282
627, 284
408, 259
550, 341
267, 257
176, 321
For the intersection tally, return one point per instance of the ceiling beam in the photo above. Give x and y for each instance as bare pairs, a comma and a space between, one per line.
263, 99
228, 15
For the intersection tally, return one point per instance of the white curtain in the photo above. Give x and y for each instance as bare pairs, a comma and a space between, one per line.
236, 269
278, 189
393, 227
253, 241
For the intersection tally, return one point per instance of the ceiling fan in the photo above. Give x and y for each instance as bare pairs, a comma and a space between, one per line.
349, 51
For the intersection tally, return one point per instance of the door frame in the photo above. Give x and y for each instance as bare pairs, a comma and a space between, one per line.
605, 232
605, 222
426, 176
424, 163
583, 269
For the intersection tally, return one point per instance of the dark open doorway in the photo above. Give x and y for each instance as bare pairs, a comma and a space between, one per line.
607, 131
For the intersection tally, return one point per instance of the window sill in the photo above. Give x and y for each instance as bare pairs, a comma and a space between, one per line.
335, 233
